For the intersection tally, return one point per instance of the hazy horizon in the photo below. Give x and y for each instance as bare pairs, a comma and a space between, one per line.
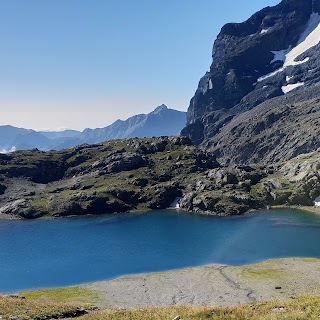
60, 129
84, 65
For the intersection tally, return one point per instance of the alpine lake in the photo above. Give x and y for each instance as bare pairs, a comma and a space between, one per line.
63, 252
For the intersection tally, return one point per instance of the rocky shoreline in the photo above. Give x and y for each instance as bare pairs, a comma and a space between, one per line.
210, 285
309, 209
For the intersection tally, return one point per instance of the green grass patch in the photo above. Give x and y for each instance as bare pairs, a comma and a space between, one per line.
40, 203
310, 260
74, 295
252, 273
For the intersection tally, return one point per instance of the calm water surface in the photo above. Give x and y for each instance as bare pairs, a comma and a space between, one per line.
53, 253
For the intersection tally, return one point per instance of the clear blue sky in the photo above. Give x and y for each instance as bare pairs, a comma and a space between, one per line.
85, 63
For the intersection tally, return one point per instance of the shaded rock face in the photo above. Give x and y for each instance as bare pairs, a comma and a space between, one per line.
43, 168
244, 57
267, 134
2, 189
164, 194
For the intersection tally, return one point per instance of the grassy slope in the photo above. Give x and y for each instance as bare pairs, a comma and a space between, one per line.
23, 309
300, 308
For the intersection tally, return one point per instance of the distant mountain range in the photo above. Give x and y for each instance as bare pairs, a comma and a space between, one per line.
160, 122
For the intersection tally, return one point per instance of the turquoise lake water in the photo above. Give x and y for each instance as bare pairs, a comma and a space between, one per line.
62, 252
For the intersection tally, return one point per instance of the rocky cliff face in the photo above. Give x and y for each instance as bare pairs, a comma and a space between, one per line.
269, 134
273, 54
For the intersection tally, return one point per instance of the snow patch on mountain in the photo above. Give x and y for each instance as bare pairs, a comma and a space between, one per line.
264, 31
210, 84
271, 74
290, 87
288, 78
308, 39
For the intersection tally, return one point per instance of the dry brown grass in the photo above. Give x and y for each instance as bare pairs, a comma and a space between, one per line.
24, 309
298, 309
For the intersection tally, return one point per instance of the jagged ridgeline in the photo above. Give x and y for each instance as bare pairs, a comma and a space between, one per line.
259, 103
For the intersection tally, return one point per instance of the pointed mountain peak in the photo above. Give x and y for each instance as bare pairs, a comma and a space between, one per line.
159, 109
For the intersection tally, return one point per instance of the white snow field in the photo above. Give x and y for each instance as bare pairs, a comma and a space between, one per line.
308, 39
290, 87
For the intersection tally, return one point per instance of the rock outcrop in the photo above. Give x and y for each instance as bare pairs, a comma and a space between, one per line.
269, 59
223, 191
141, 174
269, 134
296, 182
116, 176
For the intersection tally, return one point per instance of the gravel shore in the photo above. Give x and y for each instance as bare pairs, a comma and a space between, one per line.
213, 285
